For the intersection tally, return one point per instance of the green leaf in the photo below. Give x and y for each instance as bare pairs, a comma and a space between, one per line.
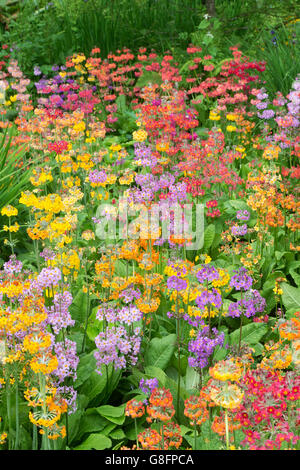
95, 441
86, 366
290, 297
159, 374
209, 235
160, 351
74, 420
92, 422
115, 414
78, 309
192, 378
148, 77
292, 271
117, 434
93, 386
251, 333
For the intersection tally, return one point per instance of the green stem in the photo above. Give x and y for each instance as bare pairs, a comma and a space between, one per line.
87, 314
136, 433
17, 416
226, 429
241, 328
8, 396
34, 438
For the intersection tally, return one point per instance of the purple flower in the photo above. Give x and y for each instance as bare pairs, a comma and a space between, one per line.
239, 230
251, 304
212, 299
37, 71
48, 277
13, 265
47, 254
129, 294
116, 346
266, 114
97, 177
148, 385
176, 283
203, 347
240, 280
262, 105
129, 315
58, 314
243, 215
207, 273
65, 352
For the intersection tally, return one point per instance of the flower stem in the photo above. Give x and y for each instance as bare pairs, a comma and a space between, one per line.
226, 429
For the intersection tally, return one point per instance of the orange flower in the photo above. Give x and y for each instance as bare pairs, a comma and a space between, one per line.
195, 409
134, 409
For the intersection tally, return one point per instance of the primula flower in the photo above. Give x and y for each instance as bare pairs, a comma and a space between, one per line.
229, 369
134, 409
196, 410
241, 280
176, 283
228, 396
9, 211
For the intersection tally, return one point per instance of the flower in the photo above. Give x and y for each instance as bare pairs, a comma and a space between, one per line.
241, 280
196, 410
176, 283
140, 135
229, 369
228, 396
148, 385
160, 405
9, 211
134, 409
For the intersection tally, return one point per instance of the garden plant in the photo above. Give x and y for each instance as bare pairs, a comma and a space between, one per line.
149, 226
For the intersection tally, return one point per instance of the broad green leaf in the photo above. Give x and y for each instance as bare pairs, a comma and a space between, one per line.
92, 422
148, 77
160, 351
115, 414
86, 366
192, 378
290, 296
78, 308
95, 441
117, 434
209, 235
93, 386
251, 334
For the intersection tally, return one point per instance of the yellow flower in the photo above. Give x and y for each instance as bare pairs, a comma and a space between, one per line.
229, 369
115, 147
140, 135
229, 396
214, 116
162, 146
231, 128
3, 438
12, 229
231, 117
79, 126
126, 179
9, 211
